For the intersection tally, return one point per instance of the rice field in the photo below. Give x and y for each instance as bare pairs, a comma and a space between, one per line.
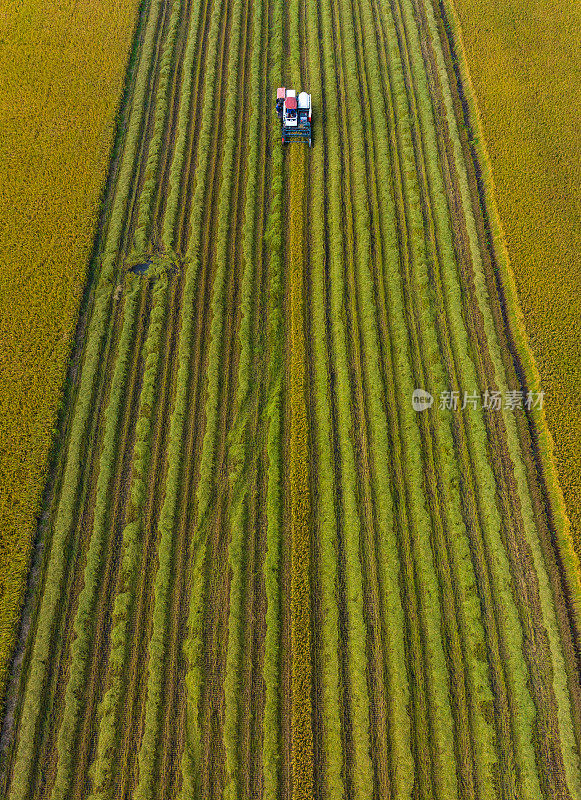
265, 573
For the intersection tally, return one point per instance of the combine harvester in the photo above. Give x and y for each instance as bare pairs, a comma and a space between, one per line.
294, 114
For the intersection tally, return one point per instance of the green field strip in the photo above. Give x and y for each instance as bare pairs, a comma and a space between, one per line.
131, 558
448, 531
457, 541
191, 62
370, 445
179, 413
437, 687
161, 112
325, 515
244, 432
193, 772
396, 348
80, 649
359, 767
457, 573
265, 573
152, 162
559, 677
472, 729
375, 452
173, 705
214, 526
84, 628
518, 673
125, 766
525, 502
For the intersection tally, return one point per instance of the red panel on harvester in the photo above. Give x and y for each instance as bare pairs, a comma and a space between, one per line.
290, 103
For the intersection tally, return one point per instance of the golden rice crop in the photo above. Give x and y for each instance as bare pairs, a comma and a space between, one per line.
526, 70
62, 67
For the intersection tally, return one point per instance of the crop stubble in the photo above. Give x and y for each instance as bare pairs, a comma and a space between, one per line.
334, 596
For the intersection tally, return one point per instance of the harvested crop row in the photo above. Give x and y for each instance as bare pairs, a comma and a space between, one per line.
450, 545
502, 440
191, 358
35, 680
80, 650
242, 739
133, 674
131, 558
213, 524
272, 748
483, 333
299, 497
209, 537
354, 690
410, 85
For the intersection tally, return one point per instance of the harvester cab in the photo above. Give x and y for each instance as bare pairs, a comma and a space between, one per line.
294, 114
